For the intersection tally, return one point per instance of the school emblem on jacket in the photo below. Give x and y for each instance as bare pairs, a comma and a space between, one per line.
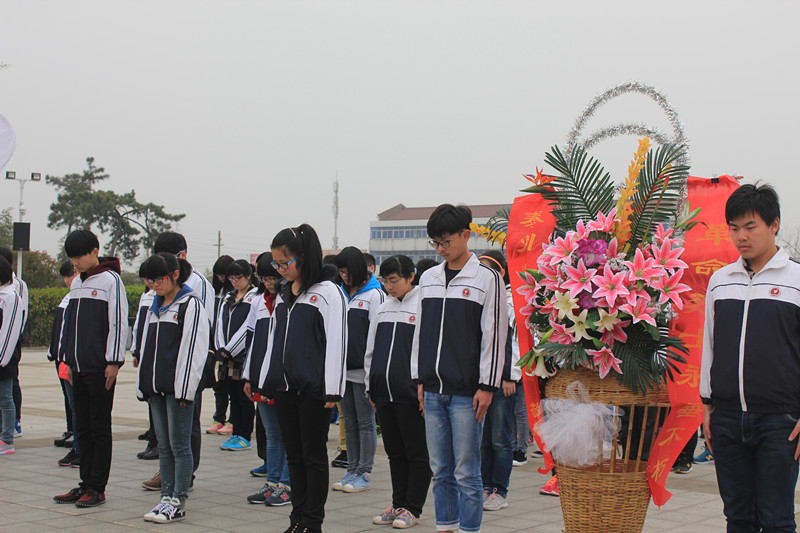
774, 291
94, 293
361, 304
313, 299
412, 318
175, 317
465, 293
250, 299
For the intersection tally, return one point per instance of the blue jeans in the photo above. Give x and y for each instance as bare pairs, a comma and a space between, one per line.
756, 470
522, 430
277, 466
496, 453
7, 413
454, 447
173, 425
359, 428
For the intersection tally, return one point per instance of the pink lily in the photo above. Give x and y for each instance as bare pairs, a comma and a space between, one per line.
616, 334
640, 312
671, 288
668, 257
641, 268
531, 287
612, 248
560, 334
579, 279
562, 248
604, 360
603, 222
661, 234
610, 286
581, 231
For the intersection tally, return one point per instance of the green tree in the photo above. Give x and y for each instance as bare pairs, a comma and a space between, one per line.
6, 228
39, 269
130, 225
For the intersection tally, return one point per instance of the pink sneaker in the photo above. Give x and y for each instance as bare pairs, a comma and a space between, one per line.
550, 488
215, 427
227, 429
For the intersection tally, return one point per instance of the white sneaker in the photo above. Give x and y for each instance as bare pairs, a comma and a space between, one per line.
495, 502
151, 516
170, 512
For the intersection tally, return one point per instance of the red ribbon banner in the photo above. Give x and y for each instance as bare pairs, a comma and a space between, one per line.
530, 225
707, 248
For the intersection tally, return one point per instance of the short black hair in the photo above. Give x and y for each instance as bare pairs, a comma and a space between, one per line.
352, 259
219, 270
370, 259
448, 219
171, 242
5, 253
749, 198
5, 271
496, 261
422, 266
240, 267
80, 242
402, 265
163, 264
66, 269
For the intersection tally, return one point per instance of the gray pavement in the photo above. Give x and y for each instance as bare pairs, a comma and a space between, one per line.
30, 478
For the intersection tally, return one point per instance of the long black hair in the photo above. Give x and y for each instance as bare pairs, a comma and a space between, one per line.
219, 269
163, 264
353, 260
302, 243
264, 269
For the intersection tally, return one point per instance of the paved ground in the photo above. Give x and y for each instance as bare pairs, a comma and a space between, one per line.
30, 477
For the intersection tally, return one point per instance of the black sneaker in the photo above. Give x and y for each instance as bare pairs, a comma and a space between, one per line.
67, 459
71, 497
683, 465
76, 461
262, 494
91, 498
150, 453
59, 442
340, 461
145, 435
519, 458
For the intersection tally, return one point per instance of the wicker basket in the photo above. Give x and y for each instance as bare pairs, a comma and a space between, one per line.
612, 496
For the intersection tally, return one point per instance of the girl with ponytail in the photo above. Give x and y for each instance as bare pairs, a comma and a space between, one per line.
173, 352
304, 368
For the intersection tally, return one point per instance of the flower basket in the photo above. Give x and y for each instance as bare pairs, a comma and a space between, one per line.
613, 495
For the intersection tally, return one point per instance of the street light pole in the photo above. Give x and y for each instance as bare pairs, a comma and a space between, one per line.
11, 175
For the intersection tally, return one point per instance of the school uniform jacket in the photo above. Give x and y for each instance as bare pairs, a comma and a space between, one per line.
232, 335
55, 333
307, 345
362, 309
145, 301
751, 341
173, 357
203, 291
96, 320
259, 323
511, 372
388, 357
459, 344
10, 331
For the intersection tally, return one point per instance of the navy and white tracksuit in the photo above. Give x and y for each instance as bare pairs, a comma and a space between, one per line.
145, 301
173, 357
231, 333
11, 324
459, 346
259, 323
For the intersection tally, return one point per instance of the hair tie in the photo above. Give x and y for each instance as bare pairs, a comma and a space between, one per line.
293, 233
493, 260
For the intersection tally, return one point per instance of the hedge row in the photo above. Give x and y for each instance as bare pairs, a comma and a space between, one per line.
42, 307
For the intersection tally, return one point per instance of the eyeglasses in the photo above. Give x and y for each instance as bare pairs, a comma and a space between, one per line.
282, 266
236, 277
436, 244
391, 281
154, 281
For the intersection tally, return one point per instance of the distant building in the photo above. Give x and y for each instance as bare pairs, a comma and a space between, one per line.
402, 230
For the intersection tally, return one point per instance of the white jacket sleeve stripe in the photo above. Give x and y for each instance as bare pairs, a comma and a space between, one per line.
10, 330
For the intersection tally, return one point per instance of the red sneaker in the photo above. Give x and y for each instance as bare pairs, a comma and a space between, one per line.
550, 488
91, 498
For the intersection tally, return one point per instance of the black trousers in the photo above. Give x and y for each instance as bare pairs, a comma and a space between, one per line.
221, 401
304, 423
93, 404
196, 430
242, 409
403, 429
67, 406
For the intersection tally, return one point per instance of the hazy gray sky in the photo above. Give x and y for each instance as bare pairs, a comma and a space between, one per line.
239, 113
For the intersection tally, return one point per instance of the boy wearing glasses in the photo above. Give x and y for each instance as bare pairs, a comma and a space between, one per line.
457, 360
94, 334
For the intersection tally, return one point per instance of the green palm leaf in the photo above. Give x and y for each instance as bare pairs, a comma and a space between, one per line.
658, 190
582, 190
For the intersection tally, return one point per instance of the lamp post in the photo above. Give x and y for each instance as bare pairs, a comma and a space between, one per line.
11, 175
